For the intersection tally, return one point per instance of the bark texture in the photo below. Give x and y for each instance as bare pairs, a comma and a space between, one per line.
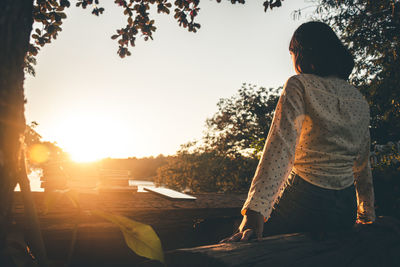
15, 27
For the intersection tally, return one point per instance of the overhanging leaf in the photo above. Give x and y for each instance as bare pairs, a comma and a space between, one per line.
52, 198
73, 196
140, 238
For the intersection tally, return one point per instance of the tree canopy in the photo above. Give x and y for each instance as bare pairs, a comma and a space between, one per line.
242, 121
49, 15
198, 170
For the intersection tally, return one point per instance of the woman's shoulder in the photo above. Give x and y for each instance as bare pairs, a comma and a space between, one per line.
312, 79
302, 80
295, 81
293, 88
331, 85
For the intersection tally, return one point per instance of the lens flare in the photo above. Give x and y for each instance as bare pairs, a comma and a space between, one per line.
39, 153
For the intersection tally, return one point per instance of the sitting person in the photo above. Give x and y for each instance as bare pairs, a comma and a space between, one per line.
314, 173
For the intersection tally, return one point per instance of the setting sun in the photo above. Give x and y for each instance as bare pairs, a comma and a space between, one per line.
89, 137
83, 154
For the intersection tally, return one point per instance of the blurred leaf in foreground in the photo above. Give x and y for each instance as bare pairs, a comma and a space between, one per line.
139, 237
52, 198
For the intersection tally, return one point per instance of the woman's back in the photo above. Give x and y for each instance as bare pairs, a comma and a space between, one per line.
334, 131
317, 147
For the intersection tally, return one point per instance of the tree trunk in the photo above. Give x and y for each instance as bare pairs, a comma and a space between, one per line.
15, 28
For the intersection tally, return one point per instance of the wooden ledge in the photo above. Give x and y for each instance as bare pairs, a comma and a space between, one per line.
368, 246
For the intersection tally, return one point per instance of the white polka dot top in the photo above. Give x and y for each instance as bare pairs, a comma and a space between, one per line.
320, 132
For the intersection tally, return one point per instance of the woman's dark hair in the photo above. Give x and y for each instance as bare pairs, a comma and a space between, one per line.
317, 50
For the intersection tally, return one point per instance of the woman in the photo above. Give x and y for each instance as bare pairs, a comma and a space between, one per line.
314, 174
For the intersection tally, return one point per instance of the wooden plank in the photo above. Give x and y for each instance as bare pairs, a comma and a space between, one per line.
100, 243
370, 246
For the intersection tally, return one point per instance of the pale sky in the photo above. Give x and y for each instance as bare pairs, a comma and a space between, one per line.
95, 104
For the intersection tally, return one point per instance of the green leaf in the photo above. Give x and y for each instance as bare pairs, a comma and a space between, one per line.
140, 238
52, 198
73, 196
62, 15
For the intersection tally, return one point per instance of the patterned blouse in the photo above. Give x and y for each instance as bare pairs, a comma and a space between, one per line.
319, 131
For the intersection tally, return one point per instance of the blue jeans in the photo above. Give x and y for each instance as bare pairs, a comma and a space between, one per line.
305, 207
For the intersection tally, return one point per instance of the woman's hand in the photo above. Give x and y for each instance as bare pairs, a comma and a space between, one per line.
252, 226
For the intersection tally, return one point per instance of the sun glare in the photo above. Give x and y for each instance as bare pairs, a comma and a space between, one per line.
90, 137
83, 156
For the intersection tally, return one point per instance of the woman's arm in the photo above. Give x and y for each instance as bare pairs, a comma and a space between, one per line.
279, 150
364, 185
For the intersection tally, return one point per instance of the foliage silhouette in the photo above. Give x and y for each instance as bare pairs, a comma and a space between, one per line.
243, 120
198, 170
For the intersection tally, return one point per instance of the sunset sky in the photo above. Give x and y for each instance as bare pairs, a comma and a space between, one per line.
95, 104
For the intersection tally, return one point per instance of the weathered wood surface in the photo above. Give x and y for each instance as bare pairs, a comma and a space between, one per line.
99, 243
370, 246
183, 224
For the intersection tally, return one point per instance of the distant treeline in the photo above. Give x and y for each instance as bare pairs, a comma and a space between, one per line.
140, 168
